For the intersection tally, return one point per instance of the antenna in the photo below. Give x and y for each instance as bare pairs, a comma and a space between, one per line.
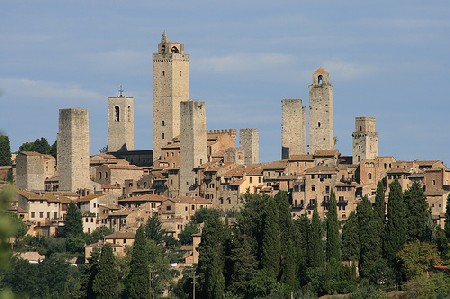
121, 91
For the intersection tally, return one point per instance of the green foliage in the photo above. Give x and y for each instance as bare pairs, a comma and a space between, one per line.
5, 150
447, 218
270, 259
10, 176
380, 203
73, 229
350, 238
333, 244
154, 230
435, 287
418, 212
264, 285
8, 227
302, 231
202, 214
54, 149
316, 256
416, 258
137, 281
98, 234
396, 226
39, 145
106, 280
244, 265
186, 234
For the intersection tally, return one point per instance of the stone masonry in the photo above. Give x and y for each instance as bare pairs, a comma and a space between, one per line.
30, 174
120, 123
170, 87
193, 143
73, 149
365, 139
293, 128
249, 142
320, 112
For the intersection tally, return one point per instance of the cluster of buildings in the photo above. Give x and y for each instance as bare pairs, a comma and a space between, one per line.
191, 167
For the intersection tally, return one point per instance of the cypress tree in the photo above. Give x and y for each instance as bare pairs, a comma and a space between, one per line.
270, 260
89, 274
350, 238
369, 239
302, 231
287, 236
244, 265
395, 230
316, 255
211, 259
137, 282
333, 244
5, 150
73, 229
154, 230
107, 278
380, 203
447, 218
418, 212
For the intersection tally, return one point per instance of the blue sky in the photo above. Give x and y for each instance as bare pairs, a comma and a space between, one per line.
388, 59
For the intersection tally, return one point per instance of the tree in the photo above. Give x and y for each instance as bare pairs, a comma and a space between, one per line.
380, 203
186, 234
333, 245
418, 212
417, 257
350, 238
39, 145
370, 255
154, 230
73, 229
5, 150
54, 149
211, 260
137, 282
302, 231
316, 256
447, 218
107, 279
396, 230
244, 265
270, 259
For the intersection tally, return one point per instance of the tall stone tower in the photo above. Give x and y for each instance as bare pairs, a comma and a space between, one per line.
249, 142
193, 142
120, 123
320, 112
170, 87
73, 149
293, 128
365, 139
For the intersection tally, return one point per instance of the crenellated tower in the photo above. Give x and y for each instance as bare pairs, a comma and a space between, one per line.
365, 139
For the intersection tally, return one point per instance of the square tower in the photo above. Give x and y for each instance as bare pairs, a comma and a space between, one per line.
320, 112
249, 143
365, 139
170, 87
73, 149
30, 173
193, 143
293, 128
120, 123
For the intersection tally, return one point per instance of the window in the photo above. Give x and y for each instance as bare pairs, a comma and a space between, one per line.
92, 219
163, 123
433, 182
33, 214
86, 219
313, 188
168, 208
41, 214
163, 73
117, 113
193, 207
369, 176
251, 180
162, 136
185, 208
320, 79
106, 175
318, 124
99, 175
48, 215
327, 189
129, 113
55, 215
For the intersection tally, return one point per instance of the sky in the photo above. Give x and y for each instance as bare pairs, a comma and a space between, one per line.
387, 59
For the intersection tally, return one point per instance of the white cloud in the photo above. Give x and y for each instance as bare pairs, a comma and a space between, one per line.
243, 62
14, 88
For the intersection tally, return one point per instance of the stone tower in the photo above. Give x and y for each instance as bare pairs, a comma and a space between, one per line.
73, 149
249, 143
320, 112
170, 87
193, 143
30, 173
120, 123
293, 128
365, 139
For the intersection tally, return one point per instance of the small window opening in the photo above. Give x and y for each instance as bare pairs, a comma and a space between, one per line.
162, 136
175, 50
117, 113
129, 113
163, 123
320, 79
318, 124
360, 128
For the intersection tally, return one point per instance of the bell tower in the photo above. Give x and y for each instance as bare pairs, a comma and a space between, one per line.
170, 87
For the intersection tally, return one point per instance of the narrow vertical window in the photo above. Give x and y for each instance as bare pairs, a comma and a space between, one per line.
320, 79
162, 136
129, 113
117, 113
163, 73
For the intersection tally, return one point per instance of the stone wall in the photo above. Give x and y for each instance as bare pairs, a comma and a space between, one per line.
293, 128
73, 149
320, 112
120, 123
30, 171
249, 143
365, 139
193, 143
170, 87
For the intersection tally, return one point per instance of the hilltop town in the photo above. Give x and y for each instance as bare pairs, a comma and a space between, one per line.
192, 168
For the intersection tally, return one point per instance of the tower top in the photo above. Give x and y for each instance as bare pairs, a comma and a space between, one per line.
120, 91
168, 47
164, 37
320, 77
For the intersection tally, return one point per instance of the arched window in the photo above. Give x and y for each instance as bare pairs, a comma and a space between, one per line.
162, 136
318, 124
117, 113
129, 113
320, 79
175, 50
162, 123
369, 176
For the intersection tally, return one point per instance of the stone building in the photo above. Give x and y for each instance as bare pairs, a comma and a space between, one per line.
249, 143
170, 87
320, 112
365, 139
293, 128
30, 171
193, 139
73, 149
120, 123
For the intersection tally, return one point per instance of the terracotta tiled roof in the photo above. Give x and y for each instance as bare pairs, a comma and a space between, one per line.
237, 182
144, 197
30, 153
326, 153
89, 197
106, 186
192, 200
301, 158
320, 70
45, 196
121, 235
321, 169
281, 164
